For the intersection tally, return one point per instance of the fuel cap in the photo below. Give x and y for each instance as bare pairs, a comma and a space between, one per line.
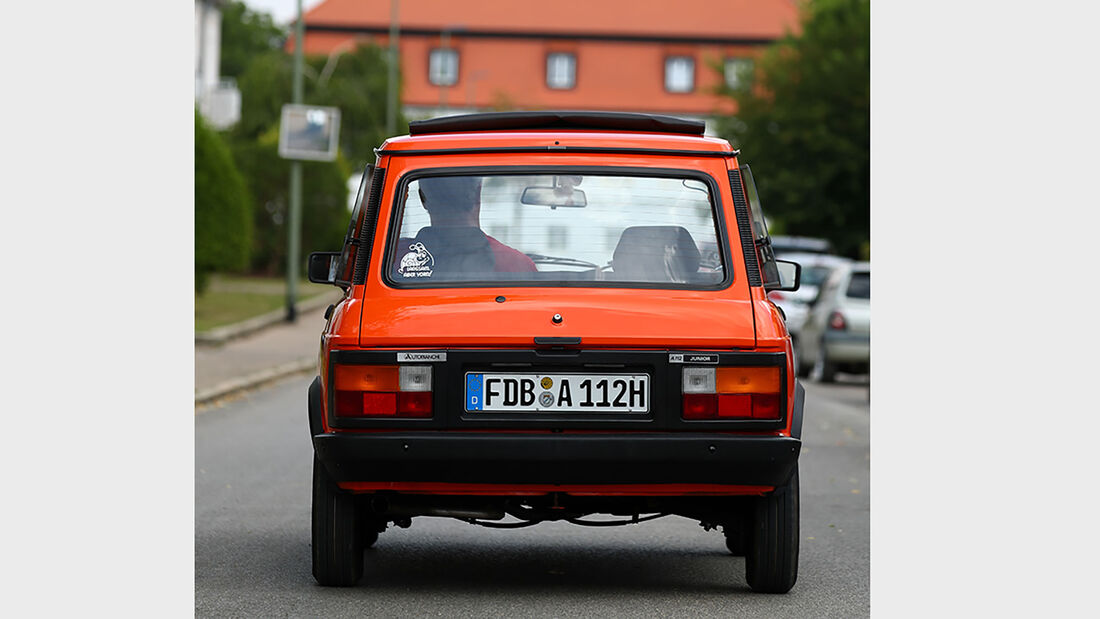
556, 319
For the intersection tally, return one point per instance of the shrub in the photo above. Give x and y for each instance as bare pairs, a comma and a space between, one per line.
223, 212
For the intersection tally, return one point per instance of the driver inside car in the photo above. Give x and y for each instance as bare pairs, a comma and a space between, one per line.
454, 243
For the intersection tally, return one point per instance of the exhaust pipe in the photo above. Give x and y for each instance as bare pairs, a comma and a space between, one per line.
402, 506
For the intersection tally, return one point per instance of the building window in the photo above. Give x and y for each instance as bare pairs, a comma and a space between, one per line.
561, 70
443, 67
679, 74
735, 69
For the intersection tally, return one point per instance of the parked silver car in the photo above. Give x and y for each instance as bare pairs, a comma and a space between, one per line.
836, 336
801, 244
796, 304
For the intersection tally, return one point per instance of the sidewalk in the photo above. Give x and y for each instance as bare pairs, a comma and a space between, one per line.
263, 355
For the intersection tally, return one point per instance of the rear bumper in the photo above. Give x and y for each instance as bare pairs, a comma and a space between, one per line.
557, 458
847, 347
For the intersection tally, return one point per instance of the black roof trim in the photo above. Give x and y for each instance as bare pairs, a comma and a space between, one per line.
505, 121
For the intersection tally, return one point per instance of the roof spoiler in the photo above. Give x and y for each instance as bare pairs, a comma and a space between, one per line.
513, 121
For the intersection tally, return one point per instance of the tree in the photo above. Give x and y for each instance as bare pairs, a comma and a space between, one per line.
354, 81
265, 86
246, 34
324, 202
803, 121
223, 208
351, 79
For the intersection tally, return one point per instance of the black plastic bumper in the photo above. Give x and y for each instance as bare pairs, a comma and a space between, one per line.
502, 458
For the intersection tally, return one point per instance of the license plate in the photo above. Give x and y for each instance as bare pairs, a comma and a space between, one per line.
558, 393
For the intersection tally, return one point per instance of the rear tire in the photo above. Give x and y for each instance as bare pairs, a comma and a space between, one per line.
369, 538
737, 541
803, 369
370, 525
771, 565
337, 540
824, 370
736, 527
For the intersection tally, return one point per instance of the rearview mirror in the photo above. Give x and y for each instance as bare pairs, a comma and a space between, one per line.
561, 194
553, 197
790, 275
322, 267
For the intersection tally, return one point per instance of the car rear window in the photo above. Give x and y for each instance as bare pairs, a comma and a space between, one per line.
551, 229
859, 287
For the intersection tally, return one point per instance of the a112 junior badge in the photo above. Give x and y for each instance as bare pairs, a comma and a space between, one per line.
419, 262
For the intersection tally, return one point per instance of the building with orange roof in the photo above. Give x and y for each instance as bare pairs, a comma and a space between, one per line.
638, 55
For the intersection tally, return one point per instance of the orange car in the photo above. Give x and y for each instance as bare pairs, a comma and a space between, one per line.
556, 316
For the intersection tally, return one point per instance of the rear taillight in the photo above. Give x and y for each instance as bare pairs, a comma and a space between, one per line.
837, 322
732, 393
383, 390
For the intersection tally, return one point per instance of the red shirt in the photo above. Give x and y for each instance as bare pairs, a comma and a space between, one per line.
509, 260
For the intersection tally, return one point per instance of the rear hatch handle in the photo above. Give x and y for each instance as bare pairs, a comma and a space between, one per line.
557, 343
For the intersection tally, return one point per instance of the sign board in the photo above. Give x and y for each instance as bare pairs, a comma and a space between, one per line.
309, 132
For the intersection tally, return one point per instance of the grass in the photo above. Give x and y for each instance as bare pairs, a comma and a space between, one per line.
233, 298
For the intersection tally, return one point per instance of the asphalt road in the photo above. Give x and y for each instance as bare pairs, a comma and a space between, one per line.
252, 537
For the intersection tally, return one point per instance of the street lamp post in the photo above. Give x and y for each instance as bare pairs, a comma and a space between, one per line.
294, 222
391, 92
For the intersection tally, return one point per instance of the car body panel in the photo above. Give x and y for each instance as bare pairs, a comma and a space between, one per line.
385, 320
600, 317
410, 414
562, 138
378, 315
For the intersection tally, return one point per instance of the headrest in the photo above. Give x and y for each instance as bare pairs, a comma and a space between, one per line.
656, 254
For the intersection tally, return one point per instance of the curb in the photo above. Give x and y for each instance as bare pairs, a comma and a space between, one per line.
235, 385
221, 335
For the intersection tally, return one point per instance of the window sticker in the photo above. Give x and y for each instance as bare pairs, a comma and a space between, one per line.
417, 263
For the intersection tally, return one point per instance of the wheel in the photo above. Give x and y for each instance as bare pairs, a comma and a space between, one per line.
802, 369
771, 565
824, 370
370, 526
736, 528
369, 538
737, 541
337, 542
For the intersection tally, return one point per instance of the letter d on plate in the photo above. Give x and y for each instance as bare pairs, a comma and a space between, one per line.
474, 399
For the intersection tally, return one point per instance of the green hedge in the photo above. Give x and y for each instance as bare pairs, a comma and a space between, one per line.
223, 212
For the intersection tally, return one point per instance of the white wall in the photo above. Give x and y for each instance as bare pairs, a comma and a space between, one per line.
219, 100
208, 27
